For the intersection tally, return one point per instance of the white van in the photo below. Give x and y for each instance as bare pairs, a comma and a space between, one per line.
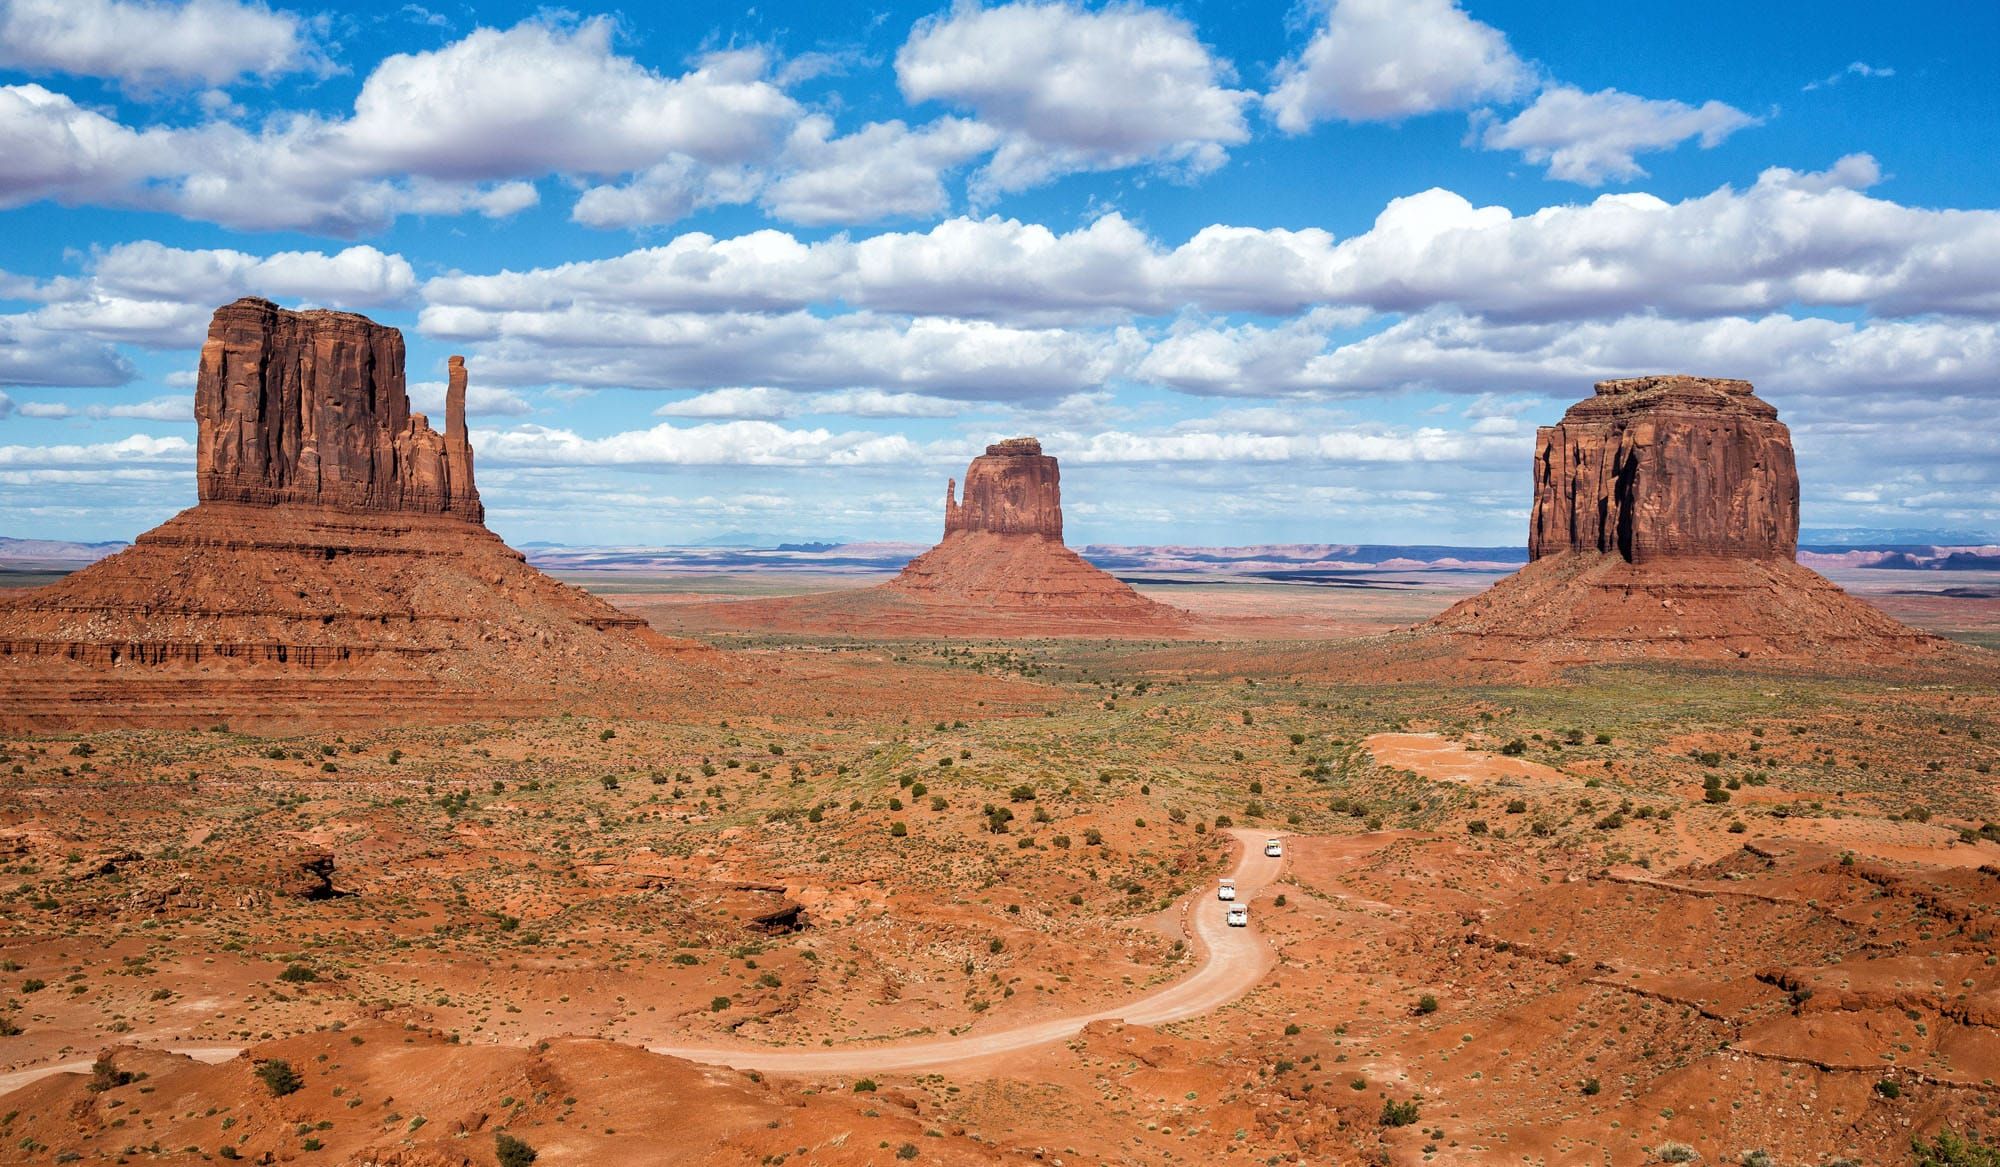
1239, 916
1273, 848
1226, 890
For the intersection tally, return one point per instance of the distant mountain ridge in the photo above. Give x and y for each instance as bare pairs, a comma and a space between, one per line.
56, 553
1905, 537
1270, 560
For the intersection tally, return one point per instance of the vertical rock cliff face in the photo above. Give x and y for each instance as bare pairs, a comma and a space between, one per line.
1012, 489
310, 407
1666, 526
1661, 467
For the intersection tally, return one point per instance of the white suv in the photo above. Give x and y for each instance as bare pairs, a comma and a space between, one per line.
1239, 916
1226, 890
1273, 848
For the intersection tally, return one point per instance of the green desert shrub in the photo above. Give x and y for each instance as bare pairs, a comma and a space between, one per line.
1950, 1149
279, 1077
510, 1151
1396, 1113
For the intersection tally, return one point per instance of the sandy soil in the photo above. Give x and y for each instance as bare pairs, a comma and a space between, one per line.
957, 895
1231, 960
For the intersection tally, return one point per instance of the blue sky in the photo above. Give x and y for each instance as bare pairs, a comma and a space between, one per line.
1255, 273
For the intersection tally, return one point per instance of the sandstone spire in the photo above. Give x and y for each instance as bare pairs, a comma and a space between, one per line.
457, 441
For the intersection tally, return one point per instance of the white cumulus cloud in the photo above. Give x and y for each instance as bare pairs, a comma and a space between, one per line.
1813, 237
1590, 137
758, 403
606, 347
147, 44
1384, 60
1444, 350
1078, 89
884, 170
876, 403
464, 128
138, 448
542, 97
730, 443
157, 409
150, 294
480, 401
32, 354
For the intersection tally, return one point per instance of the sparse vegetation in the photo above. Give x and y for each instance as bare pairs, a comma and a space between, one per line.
498, 892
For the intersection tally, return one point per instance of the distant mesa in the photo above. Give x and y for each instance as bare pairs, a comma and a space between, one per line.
335, 568
1665, 526
1003, 552
1000, 570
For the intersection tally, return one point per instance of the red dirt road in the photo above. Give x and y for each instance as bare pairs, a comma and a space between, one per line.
1232, 961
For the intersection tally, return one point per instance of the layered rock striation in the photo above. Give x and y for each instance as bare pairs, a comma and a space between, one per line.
1665, 526
311, 408
336, 567
1657, 467
1003, 553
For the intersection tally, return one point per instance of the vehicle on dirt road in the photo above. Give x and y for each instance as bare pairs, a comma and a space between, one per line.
1239, 916
1273, 848
1226, 890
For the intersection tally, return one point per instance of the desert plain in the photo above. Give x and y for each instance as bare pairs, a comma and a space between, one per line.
1644, 908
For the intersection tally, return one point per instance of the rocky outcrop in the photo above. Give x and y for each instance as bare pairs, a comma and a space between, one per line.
1003, 554
1657, 467
1012, 489
302, 874
310, 407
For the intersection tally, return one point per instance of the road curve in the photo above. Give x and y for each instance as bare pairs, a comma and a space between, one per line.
1232, 961
212, 1054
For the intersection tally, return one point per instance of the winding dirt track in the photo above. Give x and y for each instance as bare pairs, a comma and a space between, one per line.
1232, 961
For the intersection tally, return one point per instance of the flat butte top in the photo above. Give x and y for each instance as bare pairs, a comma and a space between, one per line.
1671, 393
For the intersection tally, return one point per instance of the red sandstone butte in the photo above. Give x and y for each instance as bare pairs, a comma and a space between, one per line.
1665, 526
336, 568
1014, 489
1656, 467
310, 407
1003, 550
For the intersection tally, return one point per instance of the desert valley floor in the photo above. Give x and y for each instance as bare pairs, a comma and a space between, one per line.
952, 899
